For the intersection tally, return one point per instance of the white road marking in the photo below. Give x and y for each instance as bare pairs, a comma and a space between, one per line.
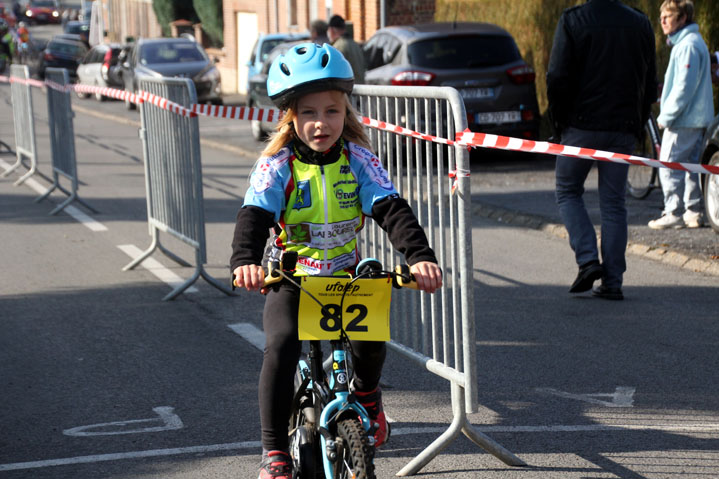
395, 432
156, 268
621, 397
81, 217
167, 418
250, 334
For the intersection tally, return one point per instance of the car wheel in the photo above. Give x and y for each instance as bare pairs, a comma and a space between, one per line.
257, 132
256, 128
711, 194
99, 96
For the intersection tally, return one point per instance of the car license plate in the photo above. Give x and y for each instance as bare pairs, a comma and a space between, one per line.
497, 117
472, 93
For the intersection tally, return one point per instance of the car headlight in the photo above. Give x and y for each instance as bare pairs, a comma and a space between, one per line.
28, 13
213, 74
55, 14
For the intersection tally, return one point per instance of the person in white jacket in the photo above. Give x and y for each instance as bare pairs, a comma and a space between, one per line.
687, 108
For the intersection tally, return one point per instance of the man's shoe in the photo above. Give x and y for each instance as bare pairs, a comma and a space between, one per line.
276, 465
372, 402
666, 221
604, 292
588, 274
692, 219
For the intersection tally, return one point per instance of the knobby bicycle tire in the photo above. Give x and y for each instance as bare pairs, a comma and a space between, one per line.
357, 458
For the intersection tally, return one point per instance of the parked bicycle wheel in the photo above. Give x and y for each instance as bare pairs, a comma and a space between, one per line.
642, 179
711, 195
355, 454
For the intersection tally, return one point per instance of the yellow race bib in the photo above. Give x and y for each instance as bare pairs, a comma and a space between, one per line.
365, 309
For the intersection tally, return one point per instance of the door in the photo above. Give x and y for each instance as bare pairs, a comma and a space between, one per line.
247, 33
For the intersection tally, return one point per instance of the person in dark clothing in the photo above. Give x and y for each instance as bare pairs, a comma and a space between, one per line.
312, 187
601, 83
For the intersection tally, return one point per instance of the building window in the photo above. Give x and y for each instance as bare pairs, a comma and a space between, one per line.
291, 12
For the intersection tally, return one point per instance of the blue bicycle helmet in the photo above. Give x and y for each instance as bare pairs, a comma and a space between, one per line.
308, 68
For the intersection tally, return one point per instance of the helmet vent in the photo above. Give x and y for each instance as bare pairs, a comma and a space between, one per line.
285, 69
325, 60
301, 50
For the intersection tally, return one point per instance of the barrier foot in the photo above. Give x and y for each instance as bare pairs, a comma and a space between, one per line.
217, 284
145, 254
460, 423
11, 168
177, 291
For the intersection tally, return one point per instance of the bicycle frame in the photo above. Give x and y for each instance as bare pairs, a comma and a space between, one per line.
330, 401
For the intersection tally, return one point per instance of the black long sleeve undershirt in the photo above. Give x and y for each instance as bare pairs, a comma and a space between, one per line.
393, 214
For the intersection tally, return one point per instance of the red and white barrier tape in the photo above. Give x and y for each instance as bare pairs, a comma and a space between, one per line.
465, 138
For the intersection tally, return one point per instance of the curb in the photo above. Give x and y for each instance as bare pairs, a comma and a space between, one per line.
663, 255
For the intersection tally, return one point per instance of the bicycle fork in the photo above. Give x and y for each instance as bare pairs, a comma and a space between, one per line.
329, 412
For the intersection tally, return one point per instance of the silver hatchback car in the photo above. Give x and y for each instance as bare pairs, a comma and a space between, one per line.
480, 60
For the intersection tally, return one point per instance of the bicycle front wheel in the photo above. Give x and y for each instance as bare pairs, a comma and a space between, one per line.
357, 456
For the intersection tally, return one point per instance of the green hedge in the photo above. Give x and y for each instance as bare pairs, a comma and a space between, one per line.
532, 24
207, 12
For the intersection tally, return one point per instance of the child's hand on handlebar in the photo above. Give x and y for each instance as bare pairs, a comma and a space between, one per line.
249, 276
428, 276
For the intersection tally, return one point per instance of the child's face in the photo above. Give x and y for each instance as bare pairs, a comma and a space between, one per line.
320, 119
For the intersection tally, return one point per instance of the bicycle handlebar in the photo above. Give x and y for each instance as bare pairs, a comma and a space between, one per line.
401, 276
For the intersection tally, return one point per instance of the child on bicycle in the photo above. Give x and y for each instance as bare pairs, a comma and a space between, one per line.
313, 185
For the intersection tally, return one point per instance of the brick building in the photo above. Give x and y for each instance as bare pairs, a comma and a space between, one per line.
244, 20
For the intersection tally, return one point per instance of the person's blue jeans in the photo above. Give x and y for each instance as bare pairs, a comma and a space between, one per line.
681, 189
571, 174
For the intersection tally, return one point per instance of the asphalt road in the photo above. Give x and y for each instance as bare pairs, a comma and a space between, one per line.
102, 379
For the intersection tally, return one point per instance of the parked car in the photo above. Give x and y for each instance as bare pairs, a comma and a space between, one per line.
257, 92
172, 57
77, 27
42, 11
710, 183
264, 45
480, 60
63, 53
7, 14
96, 66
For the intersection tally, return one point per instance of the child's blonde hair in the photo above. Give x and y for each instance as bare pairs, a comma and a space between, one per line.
285, 132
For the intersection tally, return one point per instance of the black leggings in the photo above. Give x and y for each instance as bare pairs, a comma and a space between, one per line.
282, 351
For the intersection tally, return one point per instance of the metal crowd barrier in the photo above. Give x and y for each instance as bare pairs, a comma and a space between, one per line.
62, 138
437, 331
173, 177
23, 116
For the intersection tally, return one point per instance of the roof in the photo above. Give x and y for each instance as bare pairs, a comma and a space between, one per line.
411, 32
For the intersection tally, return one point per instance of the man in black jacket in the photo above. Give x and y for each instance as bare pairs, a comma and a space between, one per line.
601, 82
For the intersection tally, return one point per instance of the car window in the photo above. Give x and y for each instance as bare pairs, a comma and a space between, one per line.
381, 50
171, 53
475, 51
267, 47
68, 48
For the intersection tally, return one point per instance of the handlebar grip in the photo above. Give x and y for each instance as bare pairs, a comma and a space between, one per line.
401, 280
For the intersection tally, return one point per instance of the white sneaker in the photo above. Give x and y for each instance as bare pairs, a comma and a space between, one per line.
693, 219
666, 221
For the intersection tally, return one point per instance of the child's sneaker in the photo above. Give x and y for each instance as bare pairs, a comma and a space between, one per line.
372, 402
693, 219
276, 465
